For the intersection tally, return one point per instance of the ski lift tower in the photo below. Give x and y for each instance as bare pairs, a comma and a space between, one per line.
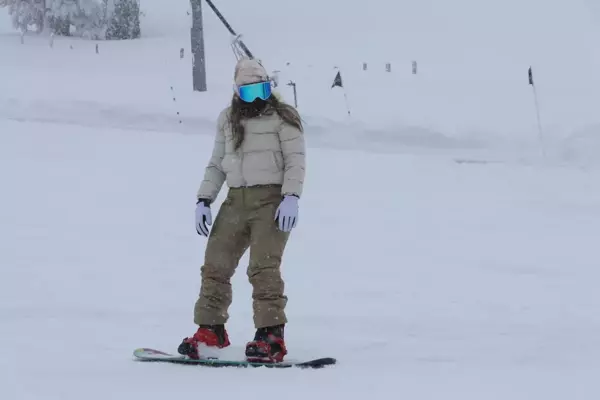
197, 38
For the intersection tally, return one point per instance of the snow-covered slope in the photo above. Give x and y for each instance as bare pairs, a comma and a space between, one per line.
450, 261
442, 280
471, 87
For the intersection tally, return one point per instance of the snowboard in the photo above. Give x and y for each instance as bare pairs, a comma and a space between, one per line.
153, 355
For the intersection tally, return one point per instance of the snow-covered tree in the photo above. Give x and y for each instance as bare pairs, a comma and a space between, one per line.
93, 19
125, 20
26, 13
78, 17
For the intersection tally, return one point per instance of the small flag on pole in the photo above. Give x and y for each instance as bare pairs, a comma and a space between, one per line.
537, 111
337, 81
530, 76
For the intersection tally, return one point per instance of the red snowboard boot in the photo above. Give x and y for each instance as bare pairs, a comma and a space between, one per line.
268, 345
213, 336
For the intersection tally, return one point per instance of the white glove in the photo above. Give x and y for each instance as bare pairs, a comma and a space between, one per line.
287, 213
203, 217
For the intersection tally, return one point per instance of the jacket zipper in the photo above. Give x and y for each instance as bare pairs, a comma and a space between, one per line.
244, 182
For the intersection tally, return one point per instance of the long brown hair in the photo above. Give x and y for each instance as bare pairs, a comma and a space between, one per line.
240, 110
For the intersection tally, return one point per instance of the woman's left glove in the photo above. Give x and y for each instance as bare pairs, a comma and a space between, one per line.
287, 213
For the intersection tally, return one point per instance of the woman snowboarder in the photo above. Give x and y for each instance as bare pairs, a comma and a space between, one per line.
259, 151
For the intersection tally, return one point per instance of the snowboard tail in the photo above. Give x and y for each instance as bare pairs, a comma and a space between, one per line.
153, 355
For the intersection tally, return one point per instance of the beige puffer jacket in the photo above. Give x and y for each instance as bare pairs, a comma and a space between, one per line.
272, 152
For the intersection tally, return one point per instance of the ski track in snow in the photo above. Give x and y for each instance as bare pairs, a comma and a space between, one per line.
439, 258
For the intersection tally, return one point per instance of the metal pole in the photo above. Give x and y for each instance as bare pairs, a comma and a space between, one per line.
539, 122
197, 38
229, 28
293, 85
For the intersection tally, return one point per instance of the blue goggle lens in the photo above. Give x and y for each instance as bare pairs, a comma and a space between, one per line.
249, 93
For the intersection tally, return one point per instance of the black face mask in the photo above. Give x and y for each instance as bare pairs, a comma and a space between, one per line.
254, 109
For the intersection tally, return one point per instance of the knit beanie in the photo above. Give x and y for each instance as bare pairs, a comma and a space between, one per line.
249, 71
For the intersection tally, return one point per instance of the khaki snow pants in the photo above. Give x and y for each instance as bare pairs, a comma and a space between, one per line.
245, 220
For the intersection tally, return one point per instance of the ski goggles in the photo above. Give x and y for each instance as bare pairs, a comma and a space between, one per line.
251, 92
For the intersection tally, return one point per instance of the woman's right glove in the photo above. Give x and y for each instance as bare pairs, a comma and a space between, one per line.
203, 217
287, 213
